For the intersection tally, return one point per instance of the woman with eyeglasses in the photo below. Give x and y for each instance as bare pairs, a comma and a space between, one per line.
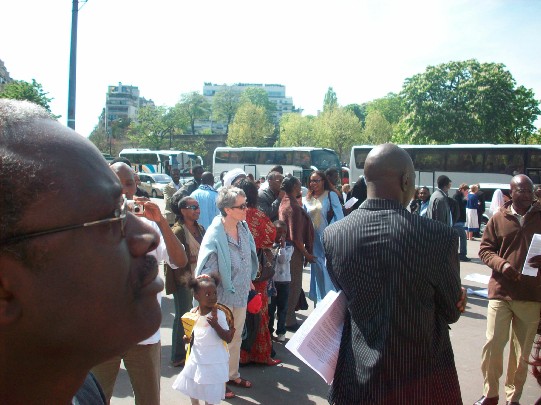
264, 233
190, 234
323, 206
228, 248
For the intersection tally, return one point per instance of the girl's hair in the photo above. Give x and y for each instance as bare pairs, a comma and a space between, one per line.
250, 189
195, 282
324, 179
178, 202
288, 183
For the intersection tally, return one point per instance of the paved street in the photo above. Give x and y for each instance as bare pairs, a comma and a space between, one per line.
294, 383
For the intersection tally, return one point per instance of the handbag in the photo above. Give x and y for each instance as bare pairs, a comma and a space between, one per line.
330, 213
266, 265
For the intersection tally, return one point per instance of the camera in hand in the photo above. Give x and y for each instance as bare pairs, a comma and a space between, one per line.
137, 209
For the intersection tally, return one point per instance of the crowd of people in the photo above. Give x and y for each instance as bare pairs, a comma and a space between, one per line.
235, 270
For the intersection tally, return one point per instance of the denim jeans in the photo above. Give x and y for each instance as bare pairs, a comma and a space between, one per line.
183, 303
459, 226
279, 302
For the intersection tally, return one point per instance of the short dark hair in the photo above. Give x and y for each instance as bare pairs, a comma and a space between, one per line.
443, 181
195, 282
277, 168
197, 168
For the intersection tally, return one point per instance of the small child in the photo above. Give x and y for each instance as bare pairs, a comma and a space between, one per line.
282, 279
207, 367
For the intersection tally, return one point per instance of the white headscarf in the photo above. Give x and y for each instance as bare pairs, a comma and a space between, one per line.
231, 175
497, 201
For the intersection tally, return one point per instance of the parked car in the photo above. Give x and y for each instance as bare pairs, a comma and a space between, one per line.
153, 183
489, 189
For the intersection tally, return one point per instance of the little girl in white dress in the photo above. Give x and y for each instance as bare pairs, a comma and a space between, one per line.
207, 367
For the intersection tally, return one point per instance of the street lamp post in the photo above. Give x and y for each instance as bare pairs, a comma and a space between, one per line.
73, 66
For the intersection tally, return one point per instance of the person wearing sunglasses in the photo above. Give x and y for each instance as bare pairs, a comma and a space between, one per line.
77, 283
228, 248
190, 233
142, 361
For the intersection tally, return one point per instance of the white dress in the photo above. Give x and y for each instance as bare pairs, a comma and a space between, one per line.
207, 368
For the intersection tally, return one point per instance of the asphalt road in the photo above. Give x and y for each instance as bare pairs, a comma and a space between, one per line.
292, 382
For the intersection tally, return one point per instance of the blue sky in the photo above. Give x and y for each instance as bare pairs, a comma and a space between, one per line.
364, 49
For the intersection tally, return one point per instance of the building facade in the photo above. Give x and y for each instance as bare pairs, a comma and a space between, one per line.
4, 75
123, 102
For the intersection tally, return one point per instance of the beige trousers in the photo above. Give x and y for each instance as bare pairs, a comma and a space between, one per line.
239, 313
522, 317
296, 265
143, 365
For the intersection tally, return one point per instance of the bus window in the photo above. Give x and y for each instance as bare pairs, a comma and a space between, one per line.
430, 160
360, 157
504, 161
464, 160
222, 156
248, 156
534, 159
266, 157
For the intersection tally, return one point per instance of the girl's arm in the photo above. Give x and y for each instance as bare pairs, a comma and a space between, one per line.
225, 335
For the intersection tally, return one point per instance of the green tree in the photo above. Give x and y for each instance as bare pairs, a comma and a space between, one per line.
224, 105
330, 101
99, 138
465, 102
524, 112
155, 126
194, 107
389, 106
259, 97
359, 110
338, 129
21, 90
250, 127
377, 129
296, 130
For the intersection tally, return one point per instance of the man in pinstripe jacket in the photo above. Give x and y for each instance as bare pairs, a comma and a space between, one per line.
400, 274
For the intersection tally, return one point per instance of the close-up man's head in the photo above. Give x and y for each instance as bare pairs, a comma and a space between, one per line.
74, 269
126, 177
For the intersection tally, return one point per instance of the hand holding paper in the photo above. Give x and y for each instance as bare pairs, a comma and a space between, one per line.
533, 258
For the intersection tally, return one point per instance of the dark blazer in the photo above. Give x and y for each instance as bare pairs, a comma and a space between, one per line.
438, 207
400, 274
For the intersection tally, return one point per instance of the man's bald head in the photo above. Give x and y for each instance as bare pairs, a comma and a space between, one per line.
207, 178
389, 173
126, 176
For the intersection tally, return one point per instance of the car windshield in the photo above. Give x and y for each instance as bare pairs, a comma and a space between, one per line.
162, 178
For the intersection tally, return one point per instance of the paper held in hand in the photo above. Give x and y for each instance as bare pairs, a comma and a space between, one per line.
349, 203
534, 250
317, 341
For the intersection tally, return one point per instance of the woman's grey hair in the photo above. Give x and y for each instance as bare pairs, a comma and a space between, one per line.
227, 197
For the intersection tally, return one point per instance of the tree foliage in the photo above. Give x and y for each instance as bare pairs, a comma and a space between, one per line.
250, 127
389, 106
330, 101
377, 129
467, 102
155, 126
259, 97
296, 130
21, 90
194, 107
359, 110
338, 129
99, 138
224, 105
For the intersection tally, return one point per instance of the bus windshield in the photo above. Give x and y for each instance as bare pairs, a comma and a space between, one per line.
324, 159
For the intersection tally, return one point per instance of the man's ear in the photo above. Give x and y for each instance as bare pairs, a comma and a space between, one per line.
404, 181
10, 308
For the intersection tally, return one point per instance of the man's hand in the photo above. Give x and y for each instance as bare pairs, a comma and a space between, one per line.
509, 272
535, 262
152, 212
461, 304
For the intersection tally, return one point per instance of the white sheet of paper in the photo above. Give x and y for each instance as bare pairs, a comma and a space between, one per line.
317, 341
534, 250
481, 293
349, 203
478, 278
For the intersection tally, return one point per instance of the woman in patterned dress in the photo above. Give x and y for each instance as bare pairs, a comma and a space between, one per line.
264, 233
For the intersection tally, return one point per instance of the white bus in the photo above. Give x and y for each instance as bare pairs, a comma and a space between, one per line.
161, 161
470, 164
299, 161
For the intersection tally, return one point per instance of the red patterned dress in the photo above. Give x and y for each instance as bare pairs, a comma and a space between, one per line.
264, 233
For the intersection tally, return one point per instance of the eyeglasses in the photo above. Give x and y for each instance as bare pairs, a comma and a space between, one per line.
191, 207
240, 207
315, 180
119, 216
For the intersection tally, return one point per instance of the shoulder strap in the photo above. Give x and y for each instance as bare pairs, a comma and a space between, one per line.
228, 315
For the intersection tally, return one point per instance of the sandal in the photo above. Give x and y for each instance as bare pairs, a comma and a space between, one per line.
273, 362
242, 383
229, 394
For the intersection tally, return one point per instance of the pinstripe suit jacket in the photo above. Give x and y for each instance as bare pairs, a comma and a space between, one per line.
400, 274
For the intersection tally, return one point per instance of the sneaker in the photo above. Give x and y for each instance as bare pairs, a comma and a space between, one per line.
281, 338
465, 259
